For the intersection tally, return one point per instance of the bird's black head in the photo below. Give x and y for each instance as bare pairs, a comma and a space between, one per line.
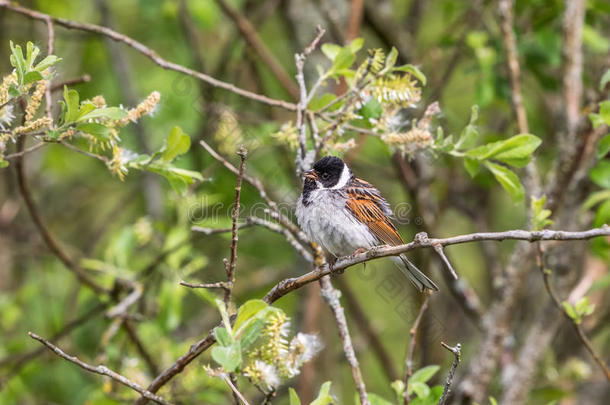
330, 172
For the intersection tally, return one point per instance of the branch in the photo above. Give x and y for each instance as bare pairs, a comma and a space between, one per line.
422, 241
581, 334
456, 361
411, 351
235, 390
331, 296
49, 239
50, 46
243, 153
572, 55
251, 36
101, 370
151, 54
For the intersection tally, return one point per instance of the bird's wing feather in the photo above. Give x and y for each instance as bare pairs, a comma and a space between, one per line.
369, 207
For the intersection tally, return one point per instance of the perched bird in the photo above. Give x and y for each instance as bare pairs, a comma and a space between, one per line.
345, 215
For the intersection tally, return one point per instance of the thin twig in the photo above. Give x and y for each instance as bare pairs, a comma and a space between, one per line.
133, 336
412, 343
146, 51
49, 239
221, 284
243, 153
101, 370
26, 151
70, 82
235, 390
331, 296
581, 334
456, 361
50, 47
439, 250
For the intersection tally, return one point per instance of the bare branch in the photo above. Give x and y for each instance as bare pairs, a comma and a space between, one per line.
151, 54
70, 82
50, 46
331, 296
221, 284
422, 241
412, 342
243, 153
235, 390
101, 370
456, 361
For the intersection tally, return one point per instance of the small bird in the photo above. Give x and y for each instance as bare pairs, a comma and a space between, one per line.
345, 215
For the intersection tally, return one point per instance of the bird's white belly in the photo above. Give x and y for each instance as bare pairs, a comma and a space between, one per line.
326, 221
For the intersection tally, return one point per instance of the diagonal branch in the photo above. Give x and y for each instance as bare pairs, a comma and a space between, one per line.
101, 370
146, 51
411, 351
456, 361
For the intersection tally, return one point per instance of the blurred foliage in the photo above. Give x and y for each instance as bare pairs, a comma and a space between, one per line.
118, 228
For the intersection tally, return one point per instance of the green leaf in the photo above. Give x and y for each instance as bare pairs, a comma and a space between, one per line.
331, 50
13, 91
571, 311
71, 98
178, 143
47, 62
31, 54
111, 113
472, 166
603, 147
251, 333
493, 401
600, 174
355, 45
99, 131
604, 81
584, 307
470, 134
345, 58
595, 199
414, 71
31, 77
222, 336
323, 397
424, 374
515, 151
540, 215
248, 310
372, 109
229, 358
419, 388
604, 111
390, 60
507, 179
3, 163
602, 216
375, 399
399, 389
322, 101
18, 62
294, 398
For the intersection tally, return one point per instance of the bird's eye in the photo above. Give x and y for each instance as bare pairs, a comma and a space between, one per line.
325, 176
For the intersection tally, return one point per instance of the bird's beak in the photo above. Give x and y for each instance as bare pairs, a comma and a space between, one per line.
311, 174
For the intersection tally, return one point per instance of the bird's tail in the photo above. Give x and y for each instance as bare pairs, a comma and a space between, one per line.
419, 279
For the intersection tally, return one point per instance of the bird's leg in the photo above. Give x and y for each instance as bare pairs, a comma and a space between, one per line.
331, 262
358, 251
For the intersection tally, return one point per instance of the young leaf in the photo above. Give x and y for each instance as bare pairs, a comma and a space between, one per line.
99, 131
330, 50
399, 389
584, 307
251, 333
247, 311
419, 388
507, 179
31, 77
71, 103
375, 399
472, 166
390, 60
604, 111
111, 113
600, 174
571, 311
318, 103
603, 147
539, 214
355, 45
222, 336
46, 62
372, 109
294, 398
229, 357
595, 199
469, 134
515, 151
414, 71
604, 81
323, 397
344, 59
178, 143
424, 374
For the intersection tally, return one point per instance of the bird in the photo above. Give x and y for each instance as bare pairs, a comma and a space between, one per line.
346, 215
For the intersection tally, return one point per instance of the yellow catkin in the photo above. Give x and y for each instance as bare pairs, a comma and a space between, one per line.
145, 107
36, 125
99, 101
6, 82
35, 100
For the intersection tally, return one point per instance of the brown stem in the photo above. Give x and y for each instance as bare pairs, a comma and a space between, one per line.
412, 343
